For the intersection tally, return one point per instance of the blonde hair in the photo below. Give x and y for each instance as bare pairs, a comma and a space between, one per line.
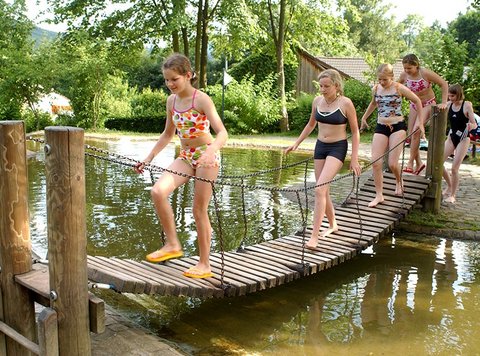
386, 69
335, 77
180, 64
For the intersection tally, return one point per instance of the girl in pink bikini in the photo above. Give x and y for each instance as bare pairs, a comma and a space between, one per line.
190, 113
419, 80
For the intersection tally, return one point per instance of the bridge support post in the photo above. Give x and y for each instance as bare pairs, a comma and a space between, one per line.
67, 242
435, 160
16, 307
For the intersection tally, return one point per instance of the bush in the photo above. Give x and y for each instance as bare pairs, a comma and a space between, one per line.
299, 112
249, 107
33, 123
149, 103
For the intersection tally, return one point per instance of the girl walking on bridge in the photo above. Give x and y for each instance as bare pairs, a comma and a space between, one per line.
331, 112
462, 121
391, 128
190, 113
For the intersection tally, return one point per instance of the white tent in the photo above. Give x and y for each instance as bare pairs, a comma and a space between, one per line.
54, 104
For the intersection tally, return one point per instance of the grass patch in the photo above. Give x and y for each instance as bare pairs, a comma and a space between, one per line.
442, 220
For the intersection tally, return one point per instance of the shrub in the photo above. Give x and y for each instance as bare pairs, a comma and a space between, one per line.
39, 122
149, 103
299, 112
249, 107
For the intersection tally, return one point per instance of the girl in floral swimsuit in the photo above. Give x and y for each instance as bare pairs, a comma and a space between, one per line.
190, 113
419, 80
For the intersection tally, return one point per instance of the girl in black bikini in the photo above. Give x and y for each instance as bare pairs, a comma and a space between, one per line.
330, 112
462, 120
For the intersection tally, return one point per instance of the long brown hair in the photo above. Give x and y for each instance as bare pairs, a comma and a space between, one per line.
180, 64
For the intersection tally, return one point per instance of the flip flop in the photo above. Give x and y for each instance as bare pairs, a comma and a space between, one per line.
194, 272
408, 170
163, 256
420, 169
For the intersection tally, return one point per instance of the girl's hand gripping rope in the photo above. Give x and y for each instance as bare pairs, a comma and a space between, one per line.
139, 167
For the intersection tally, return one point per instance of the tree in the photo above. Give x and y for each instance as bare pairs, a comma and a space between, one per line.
412, 25
87, 65
467, 29
441, 53
371, 30
26, 72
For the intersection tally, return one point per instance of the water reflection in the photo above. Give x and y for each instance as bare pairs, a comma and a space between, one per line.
414, 295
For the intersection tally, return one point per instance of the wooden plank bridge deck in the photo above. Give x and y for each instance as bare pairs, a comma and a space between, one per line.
271, 263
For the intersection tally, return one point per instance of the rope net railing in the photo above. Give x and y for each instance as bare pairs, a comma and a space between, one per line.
238, 181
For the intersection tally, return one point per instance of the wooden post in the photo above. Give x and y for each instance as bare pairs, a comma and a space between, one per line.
435, 160
17, 309
67, 242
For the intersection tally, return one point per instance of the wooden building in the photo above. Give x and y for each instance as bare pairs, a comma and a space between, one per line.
349, 68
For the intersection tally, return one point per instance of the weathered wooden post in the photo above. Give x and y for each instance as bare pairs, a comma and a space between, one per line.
67, 242
436, 146
17, 307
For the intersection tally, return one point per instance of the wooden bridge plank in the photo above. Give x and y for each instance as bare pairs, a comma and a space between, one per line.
365, 210
287, 259
327, 243
353, 213
198, 287
287, 275
366, 225
353, 238
390, 186
263, 280
364, 199
330, 250
242, 285
151, 286
389, 190
334, 257
99, 272
261, 268
178, 284
390, 197
322, 249
318, 259
411, 186
354, 230
366, 220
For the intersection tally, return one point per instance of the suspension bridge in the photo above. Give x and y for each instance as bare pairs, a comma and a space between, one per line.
62, 285
264, 265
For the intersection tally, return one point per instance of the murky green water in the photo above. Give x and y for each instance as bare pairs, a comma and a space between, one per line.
409, 295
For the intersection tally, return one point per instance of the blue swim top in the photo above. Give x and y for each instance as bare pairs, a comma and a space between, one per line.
388, 105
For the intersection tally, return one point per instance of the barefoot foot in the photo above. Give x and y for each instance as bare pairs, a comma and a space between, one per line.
450, 199
312, 243
375, 202
330, 230
399, 188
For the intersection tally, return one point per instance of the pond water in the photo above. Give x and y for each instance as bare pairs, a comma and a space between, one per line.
409, 294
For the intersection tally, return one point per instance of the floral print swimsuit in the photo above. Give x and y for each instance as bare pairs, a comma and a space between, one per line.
191, 123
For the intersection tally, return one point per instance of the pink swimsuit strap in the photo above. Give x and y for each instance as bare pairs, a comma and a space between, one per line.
190, 108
